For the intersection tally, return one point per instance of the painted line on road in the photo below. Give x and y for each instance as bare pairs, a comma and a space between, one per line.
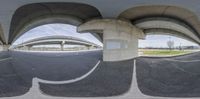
5, 59
182, 60
134, 91
36, 80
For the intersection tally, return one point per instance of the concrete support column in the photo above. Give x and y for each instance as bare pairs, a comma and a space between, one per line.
91, 47
62, 45
120, 38
5, 47
29, 48
88, 47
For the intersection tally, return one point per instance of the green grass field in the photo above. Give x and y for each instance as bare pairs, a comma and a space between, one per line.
163, 52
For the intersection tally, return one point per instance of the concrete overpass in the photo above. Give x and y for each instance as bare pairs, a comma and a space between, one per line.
118, 23
61, 40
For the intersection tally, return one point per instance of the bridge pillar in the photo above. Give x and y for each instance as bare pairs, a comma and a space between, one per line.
62, 45
120, 38
28, 48
5, 47
91, 47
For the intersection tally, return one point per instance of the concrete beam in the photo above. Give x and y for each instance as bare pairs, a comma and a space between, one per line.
168, 24
49, 12
120, 38
180, 15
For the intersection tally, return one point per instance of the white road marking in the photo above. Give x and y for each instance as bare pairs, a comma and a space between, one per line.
68, 81
4, 59
186, 61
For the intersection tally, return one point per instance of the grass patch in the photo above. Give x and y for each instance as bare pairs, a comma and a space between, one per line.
163, 52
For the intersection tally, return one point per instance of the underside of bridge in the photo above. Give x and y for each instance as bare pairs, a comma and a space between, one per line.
30, 16
165, 19
118, 32
2, 40
60, 40
121, 35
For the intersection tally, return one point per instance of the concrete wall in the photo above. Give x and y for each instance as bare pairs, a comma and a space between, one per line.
120, 37
119, 45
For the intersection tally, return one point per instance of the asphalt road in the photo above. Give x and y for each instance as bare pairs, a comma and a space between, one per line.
161, 77
17, 73
10, 83
54, 66
108, 79
170, 76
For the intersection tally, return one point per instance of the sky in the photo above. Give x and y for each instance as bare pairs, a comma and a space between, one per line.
69, 30
55, 29
161, 41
